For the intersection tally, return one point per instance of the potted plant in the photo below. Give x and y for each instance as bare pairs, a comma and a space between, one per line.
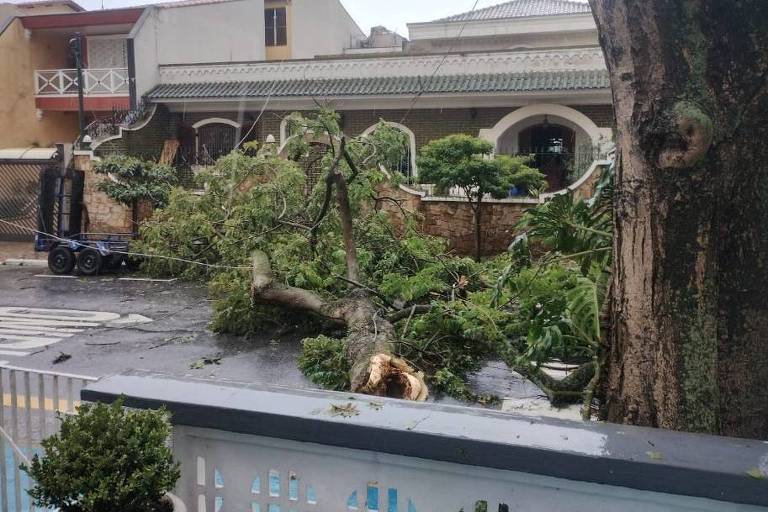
107, 459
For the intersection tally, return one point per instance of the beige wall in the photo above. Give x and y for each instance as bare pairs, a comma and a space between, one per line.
321, 27
193, 34
40, 9
281, 52
19, 57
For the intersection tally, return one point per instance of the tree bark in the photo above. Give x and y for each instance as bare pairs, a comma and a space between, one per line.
347, 231
476, 213
689, 336
370, 338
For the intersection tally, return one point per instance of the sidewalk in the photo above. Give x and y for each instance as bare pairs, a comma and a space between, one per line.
19, 250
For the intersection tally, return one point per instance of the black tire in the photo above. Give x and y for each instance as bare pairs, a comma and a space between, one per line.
114, 262
89, 262
61, 260
133, 263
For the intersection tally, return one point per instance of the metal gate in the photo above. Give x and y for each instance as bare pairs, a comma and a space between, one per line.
60, 206
19, 192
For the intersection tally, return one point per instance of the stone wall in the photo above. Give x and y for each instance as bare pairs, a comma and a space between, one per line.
101, 214
451, 218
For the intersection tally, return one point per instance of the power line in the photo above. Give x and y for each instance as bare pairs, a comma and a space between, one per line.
422, 89
125, 253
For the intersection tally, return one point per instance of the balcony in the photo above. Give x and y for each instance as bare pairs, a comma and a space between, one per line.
104, 89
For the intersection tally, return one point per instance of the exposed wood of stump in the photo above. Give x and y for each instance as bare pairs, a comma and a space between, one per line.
370, 338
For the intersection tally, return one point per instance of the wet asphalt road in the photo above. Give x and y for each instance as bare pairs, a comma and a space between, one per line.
173, 343
177, 340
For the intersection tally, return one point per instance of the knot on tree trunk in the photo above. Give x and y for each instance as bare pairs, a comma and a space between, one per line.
695, 131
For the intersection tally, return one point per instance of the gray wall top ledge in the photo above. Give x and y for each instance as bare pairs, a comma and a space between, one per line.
640, 458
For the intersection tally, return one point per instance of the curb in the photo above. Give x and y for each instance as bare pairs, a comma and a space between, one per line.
19, 262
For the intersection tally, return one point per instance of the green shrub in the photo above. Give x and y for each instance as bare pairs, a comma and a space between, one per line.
105, 459
324, 361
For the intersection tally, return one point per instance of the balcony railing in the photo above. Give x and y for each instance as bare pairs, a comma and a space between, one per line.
63, 82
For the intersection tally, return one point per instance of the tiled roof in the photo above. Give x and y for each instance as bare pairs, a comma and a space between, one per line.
388, 86
521, 9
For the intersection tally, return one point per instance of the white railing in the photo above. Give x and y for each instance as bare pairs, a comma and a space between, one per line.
30, 401
63, 82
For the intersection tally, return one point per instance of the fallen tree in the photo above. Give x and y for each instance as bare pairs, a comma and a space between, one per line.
390, 311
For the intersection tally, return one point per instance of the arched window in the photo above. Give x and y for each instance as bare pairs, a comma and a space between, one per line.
215, 138
406, 165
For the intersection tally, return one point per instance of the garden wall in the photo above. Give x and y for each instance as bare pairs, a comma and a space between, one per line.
451, 217
102, 214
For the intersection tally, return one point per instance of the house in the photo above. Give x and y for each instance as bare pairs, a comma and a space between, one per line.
123, 51
528, 75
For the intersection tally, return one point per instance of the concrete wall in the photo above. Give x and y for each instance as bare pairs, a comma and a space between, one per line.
146, 52
19, 58
219, 32
321, 27
241, 445
563, 39
224, 32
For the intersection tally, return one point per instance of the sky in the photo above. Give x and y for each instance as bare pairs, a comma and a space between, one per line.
393, 14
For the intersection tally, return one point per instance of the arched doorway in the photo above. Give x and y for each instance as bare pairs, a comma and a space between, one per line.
565, 142
214, 141
206, 141
552, 147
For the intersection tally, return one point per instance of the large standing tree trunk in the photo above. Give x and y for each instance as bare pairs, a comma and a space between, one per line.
689, 341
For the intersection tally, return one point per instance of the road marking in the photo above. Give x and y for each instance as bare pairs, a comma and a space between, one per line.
55, 276
148, 280
25, 329
63, 333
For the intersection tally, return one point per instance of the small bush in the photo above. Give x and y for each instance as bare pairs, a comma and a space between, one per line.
324, 361
105, 459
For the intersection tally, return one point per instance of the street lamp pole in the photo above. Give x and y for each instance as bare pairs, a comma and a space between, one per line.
76, 43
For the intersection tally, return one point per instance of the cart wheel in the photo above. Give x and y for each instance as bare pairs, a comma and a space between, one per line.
61, 260
114, 262
89, 262
133, 263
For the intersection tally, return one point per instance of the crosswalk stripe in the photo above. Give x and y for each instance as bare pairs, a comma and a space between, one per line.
49, 323
25, 332
12, 353
25, 329
34, 327
59, 314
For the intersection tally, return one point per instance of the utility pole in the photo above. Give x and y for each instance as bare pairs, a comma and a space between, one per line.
76, 44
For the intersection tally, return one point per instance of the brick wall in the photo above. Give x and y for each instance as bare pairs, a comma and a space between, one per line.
426, 124
146, 142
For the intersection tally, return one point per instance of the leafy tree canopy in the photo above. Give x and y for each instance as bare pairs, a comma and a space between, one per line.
468, 163
131, 180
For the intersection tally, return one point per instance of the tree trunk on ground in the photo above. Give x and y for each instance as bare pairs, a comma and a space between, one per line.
370, 338
689, 336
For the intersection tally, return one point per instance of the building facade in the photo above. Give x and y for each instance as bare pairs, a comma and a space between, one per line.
123, 51
527, 75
